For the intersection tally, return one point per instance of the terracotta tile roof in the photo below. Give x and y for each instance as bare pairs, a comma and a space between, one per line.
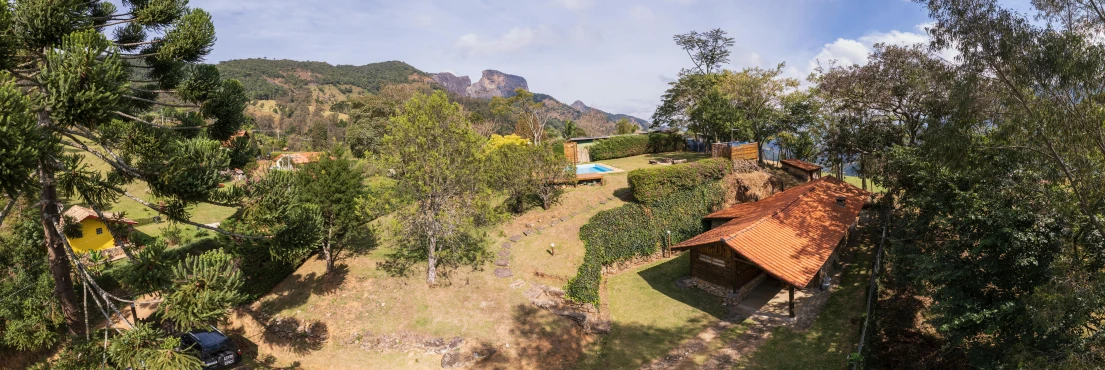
802, 165
791, 234
81, 213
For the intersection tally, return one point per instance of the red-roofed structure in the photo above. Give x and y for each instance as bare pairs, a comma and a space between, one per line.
790, 236
804, 170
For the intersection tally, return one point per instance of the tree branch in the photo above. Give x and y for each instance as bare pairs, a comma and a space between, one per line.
7, 209
162, 104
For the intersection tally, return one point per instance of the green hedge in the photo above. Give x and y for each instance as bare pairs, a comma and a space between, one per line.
619, 147
636, 230
652, 184
660, 142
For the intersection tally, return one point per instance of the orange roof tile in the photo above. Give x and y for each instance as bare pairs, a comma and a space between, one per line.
791, 234
802, 165
81, 213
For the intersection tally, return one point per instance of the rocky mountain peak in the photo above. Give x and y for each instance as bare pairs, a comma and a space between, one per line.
578, 105
494, 83
452, 83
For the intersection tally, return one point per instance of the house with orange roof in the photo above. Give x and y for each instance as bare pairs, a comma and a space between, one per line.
94, 235
792, 237
288, 161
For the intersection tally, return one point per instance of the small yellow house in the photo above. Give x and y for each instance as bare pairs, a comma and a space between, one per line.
95, 235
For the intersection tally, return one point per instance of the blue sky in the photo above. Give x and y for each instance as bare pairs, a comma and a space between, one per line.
614, 55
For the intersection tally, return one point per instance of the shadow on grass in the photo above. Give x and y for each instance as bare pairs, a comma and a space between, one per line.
295, 290
662, 277
625, 194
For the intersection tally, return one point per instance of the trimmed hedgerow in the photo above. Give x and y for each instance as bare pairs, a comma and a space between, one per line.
619, 147
584, 287
660, 142
652, 184
637, 230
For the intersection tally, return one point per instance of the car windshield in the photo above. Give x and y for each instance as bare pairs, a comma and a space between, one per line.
207, 341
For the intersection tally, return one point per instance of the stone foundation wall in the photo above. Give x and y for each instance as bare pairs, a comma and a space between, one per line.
730, 298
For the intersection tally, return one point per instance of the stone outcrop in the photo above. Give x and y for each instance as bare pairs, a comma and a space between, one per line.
578, 105
452, 83
494, 83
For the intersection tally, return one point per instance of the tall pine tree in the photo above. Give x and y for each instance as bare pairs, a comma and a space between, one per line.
89, 76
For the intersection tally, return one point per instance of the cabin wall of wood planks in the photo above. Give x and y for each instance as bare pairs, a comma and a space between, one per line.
747, 152
571, 152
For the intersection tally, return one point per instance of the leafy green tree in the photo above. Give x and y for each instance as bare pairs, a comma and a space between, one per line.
715, 117
551, 171
335, 184
708, 50
436, 158
678, 102
526, 172
95, 93
758, 94
530, 115
319, 135
572, 130
623, 127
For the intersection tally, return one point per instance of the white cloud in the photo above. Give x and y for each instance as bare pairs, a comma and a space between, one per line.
515, 39
576, 4
843, 51
849, 51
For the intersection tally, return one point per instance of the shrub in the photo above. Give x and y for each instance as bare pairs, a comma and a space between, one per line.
660, 142
584, 287
652, 184
637, 230
619, 146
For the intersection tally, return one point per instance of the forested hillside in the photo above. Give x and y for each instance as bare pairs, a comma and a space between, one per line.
266, 79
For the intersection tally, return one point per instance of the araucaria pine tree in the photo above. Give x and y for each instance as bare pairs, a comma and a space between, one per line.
96, 77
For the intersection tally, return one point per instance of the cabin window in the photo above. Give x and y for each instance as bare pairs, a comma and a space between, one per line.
711, 260
99, 230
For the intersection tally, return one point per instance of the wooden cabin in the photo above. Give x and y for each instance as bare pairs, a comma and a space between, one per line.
792, 236
803, 170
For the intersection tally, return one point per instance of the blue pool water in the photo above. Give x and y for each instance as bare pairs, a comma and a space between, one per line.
592, 168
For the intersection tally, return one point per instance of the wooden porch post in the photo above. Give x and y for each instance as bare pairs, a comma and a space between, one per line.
791, 301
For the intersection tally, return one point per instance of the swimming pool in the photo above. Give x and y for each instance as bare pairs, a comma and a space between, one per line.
593, 168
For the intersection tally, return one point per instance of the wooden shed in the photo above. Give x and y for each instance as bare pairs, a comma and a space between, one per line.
736, 151
804, 170
791, 236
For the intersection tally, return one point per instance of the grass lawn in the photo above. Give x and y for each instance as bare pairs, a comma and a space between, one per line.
871, 186
834, 333
651, 315
483, 309
202, 213
641, 161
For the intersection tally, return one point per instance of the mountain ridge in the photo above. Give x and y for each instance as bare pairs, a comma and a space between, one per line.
266, 79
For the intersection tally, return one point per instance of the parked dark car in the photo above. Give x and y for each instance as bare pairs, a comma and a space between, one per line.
215, 349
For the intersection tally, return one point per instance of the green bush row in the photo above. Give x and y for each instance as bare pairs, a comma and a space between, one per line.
660, 142
653, 184
637, 230
619, 147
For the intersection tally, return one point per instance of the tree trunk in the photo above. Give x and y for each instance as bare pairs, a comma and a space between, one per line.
326, 246
431, 261
760, 152
59, 261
